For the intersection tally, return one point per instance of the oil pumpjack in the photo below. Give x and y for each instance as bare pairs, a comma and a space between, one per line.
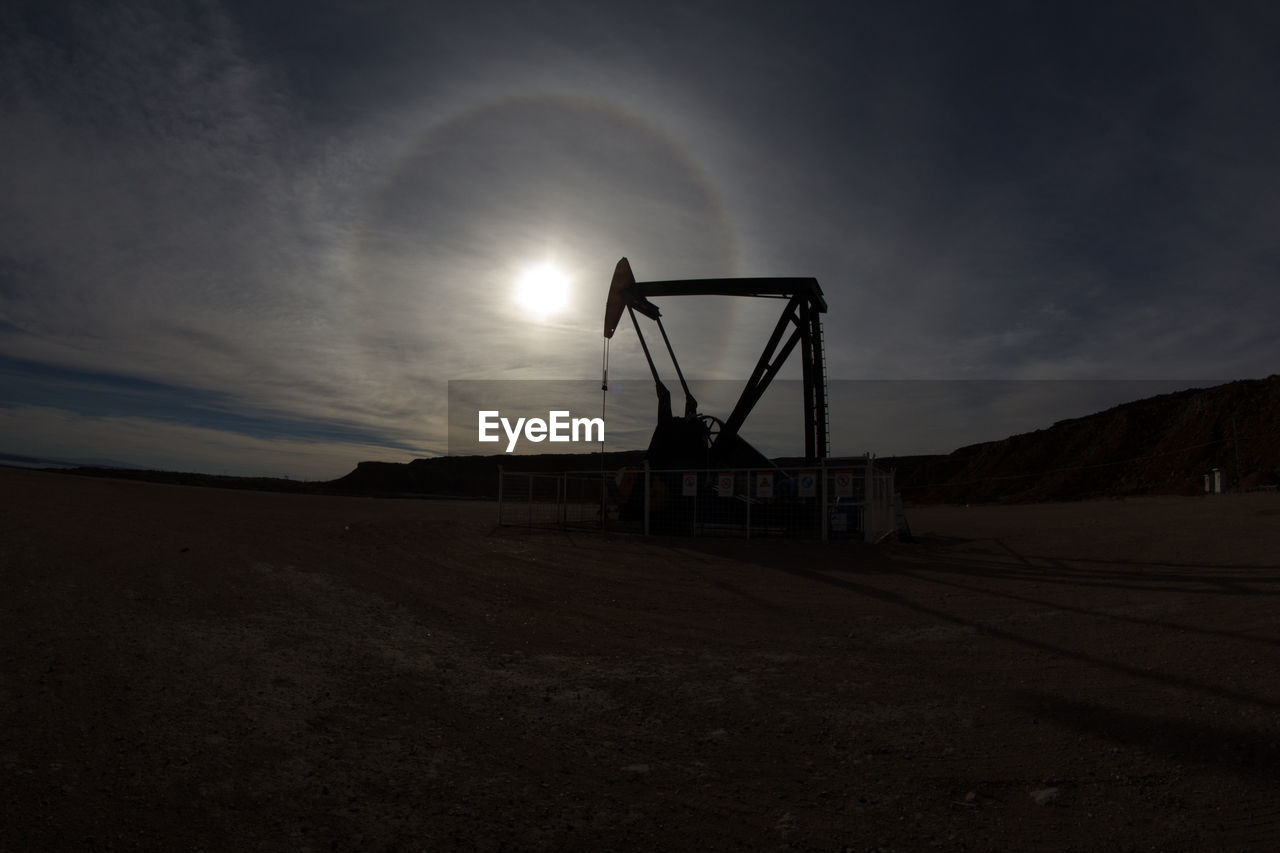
699, 441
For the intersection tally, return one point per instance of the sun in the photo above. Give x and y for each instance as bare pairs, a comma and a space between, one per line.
543, 289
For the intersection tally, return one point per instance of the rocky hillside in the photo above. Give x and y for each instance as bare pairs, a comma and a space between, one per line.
1159, 445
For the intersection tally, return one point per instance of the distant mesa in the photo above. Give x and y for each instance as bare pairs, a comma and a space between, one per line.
465, 476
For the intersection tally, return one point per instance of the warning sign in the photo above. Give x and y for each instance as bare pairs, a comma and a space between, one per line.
844, 484
807, 486
764, 485
689, 486
724, 485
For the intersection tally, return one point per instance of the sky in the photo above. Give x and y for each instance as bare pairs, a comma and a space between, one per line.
262, 238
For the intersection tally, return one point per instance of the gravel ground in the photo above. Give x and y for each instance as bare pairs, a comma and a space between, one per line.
207, 669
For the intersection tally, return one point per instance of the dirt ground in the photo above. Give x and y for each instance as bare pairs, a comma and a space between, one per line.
205, 669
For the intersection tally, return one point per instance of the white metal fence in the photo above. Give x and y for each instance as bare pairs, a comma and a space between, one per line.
835, 500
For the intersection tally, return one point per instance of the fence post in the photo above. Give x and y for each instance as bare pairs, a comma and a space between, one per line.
697, 498
500, 478
868, 501
749, 503
646, 497
604, 496
563, 488
825, 508
891, 501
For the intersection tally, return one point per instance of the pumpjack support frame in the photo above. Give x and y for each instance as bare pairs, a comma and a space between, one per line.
800, 324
